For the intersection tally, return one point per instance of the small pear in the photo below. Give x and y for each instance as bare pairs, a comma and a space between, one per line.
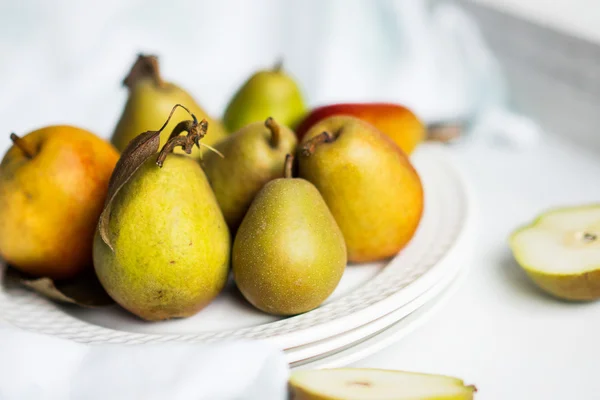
266, 93
376, 384
162, 246
251, 157
289, 254
560, 251
150, 101
368, 183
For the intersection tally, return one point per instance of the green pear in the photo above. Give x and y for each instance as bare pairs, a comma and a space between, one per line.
376, 384
164, 249
251, 157
289, 254
560, 251
368, 183
266, 93
150, 101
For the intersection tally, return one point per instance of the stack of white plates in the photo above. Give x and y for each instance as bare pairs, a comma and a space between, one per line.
372, 302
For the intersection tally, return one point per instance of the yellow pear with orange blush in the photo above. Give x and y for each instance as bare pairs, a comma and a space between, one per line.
369, 184
53, 183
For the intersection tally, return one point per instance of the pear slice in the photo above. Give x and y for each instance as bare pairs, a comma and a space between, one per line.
375, 384
560, 251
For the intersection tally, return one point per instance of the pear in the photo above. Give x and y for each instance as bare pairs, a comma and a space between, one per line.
149, 102
53, 182
368, 183
560, 251
251, 157
289, 254
376, 384
162, 248
266, 93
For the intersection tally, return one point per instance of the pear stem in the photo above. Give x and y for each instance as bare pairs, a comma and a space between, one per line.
444, 132
195, 130
20, 143
310, 146
144, 67
275, 131
278, 67
288, 166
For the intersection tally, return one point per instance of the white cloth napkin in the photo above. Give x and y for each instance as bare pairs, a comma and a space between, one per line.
40, 367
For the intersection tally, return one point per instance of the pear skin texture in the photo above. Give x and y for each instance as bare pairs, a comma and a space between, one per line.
371, 383
369, 184
171, 242
251, 160
265, 94
148, 107
289, 254
50, 204
579, 287
394, 120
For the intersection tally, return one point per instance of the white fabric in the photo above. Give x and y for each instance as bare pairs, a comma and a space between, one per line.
40, 367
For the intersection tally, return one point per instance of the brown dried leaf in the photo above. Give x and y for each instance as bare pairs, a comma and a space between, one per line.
84, 290
135, 154
132, 158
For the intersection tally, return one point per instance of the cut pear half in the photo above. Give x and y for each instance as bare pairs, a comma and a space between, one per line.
560, 251
375, 384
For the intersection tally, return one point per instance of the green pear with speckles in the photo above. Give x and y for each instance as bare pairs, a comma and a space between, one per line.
289, 253
252, 156
170, 243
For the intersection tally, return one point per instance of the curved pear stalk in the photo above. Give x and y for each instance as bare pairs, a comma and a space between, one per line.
144, 66
24, 147
310, 146
135, 154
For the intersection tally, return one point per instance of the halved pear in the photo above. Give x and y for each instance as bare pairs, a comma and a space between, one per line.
375, 384
560, 251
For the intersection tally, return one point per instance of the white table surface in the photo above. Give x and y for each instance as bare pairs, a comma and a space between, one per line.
498, 331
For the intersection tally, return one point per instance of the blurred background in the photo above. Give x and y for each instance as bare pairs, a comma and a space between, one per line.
63, 61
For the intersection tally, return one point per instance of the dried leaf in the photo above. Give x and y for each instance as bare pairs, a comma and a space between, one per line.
135, 154
84, 290
132, 158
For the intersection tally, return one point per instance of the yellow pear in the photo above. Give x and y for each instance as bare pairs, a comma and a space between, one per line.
149, 103
368, 183
53, 182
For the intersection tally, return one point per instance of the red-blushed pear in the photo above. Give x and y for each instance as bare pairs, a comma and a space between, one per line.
53, 182
394, 120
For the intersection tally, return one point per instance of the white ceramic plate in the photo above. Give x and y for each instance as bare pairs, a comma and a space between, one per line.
366, 292
384, 338
305, 353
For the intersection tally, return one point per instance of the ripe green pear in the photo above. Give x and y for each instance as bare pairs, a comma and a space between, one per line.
149, 103
171, 243
252, 156
368, 183
267, 93
289, 254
